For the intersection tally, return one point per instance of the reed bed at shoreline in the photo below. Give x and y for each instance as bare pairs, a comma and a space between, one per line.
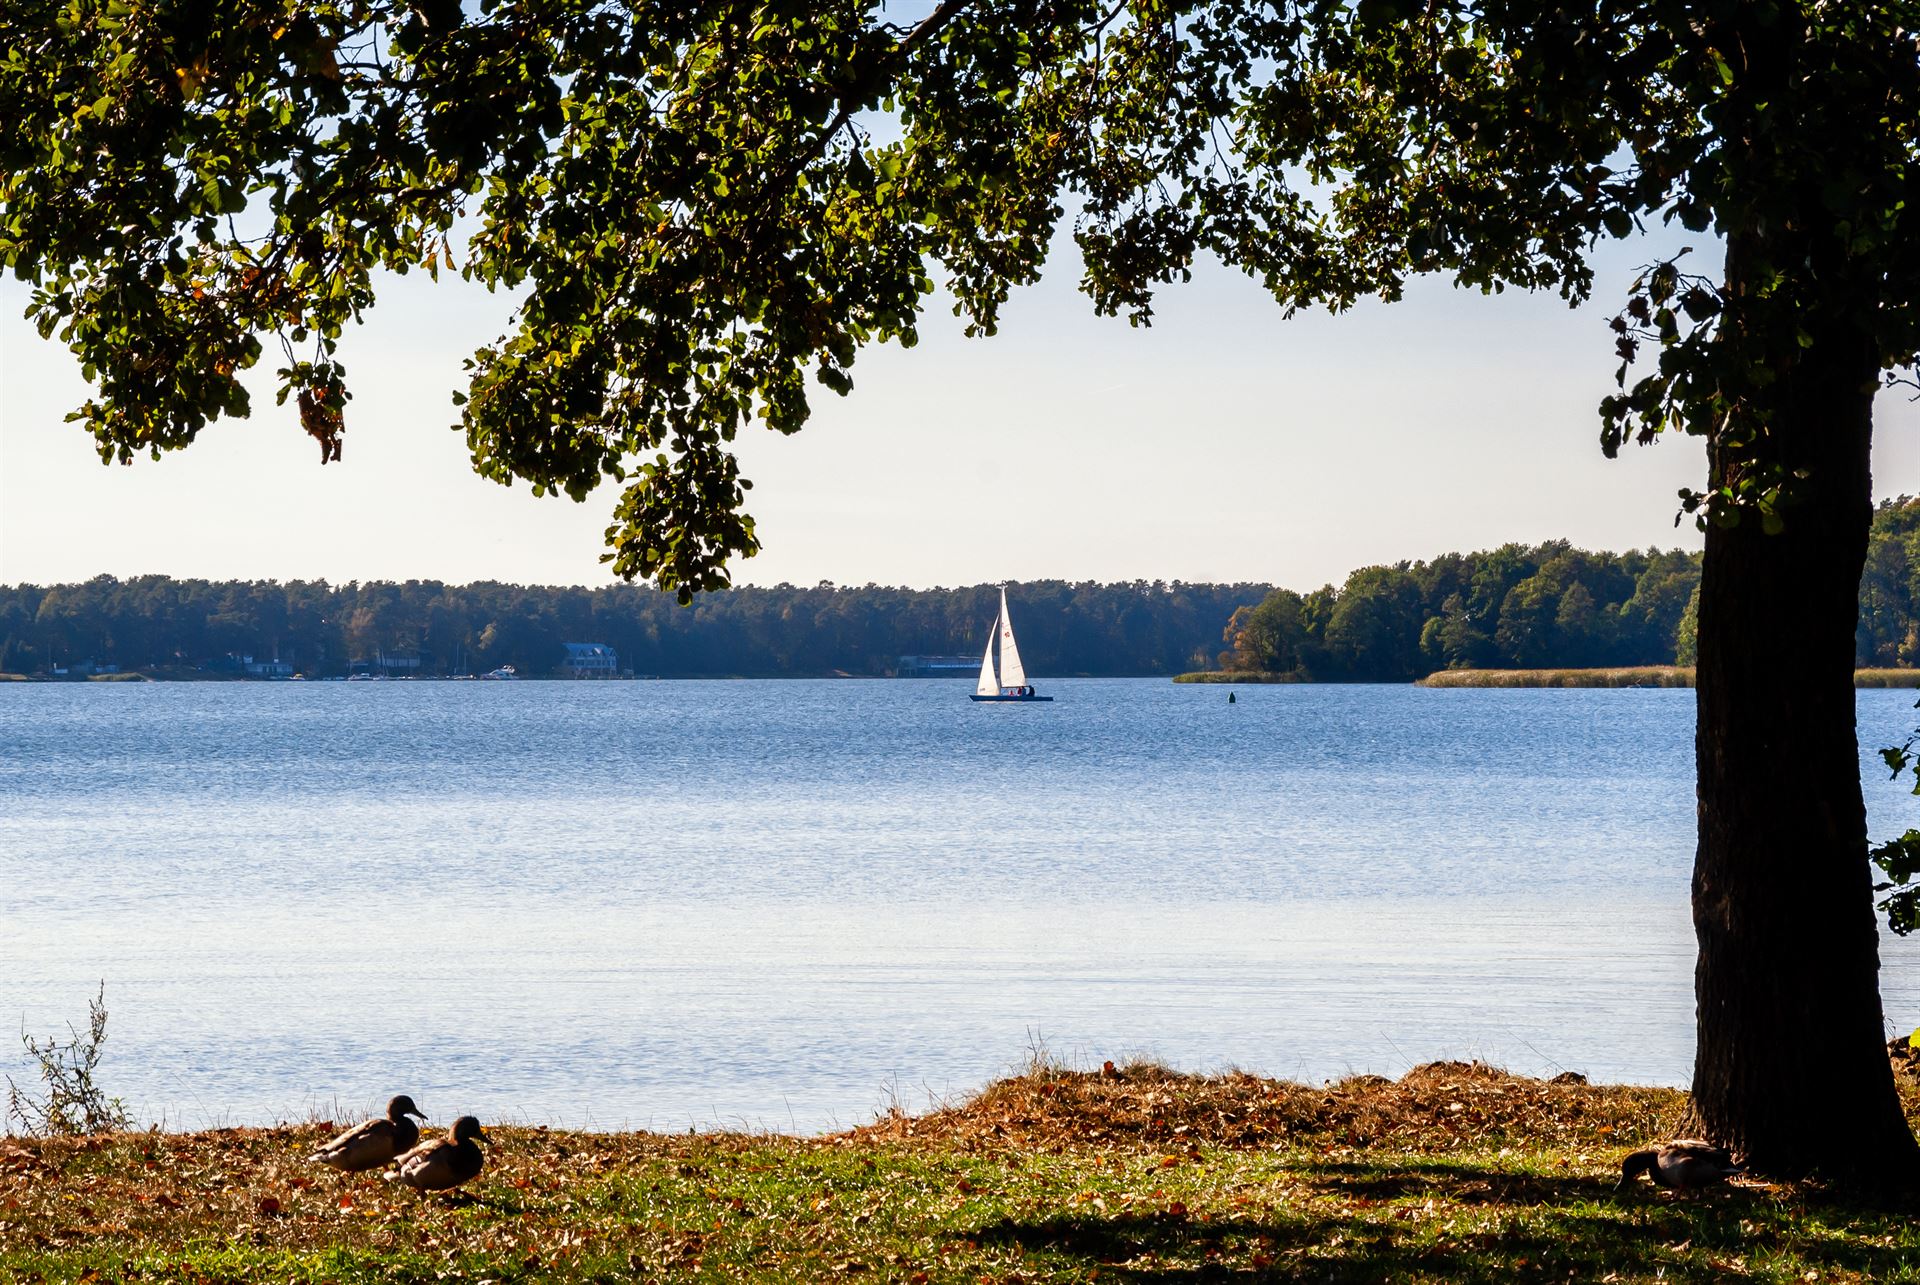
1621, 676
1455, 1172
1625, 676
1886, 678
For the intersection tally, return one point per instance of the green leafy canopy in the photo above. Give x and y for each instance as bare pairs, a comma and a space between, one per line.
704, 206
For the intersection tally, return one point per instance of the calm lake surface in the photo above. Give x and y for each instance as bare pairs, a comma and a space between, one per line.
785, 904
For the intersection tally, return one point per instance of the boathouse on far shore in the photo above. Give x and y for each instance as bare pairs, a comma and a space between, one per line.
590, 660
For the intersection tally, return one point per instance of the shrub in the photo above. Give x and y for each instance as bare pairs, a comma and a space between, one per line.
73, 1102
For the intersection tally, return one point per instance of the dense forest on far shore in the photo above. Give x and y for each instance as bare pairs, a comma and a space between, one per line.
156, 623
1514, 607
1547, 606
1541, 606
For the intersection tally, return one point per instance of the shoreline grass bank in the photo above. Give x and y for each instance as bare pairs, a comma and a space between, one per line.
1628, 676
1624, 676
1456, 1172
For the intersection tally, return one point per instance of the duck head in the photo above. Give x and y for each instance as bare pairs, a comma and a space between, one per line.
465, 1128
1634, 1165
402, 1106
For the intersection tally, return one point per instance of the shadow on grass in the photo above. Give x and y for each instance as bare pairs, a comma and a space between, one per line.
1484, 1225
1465, 1184
1144, 1248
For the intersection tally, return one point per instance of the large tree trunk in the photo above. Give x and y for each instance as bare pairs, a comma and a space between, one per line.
1791, 1068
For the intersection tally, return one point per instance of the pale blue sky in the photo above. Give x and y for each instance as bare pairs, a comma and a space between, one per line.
1225, 443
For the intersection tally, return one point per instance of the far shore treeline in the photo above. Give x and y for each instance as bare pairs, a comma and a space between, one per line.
156, 624
1514, 607
1547, 606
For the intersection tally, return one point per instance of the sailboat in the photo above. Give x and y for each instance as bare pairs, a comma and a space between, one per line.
1010, 683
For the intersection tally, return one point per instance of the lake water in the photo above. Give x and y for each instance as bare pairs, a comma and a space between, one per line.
786, 904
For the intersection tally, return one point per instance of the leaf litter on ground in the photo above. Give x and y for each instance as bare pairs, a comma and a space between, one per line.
1455, 1171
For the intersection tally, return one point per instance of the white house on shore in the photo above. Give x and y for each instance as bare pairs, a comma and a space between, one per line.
591, 660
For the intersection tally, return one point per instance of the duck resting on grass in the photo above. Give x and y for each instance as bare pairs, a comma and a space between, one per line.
445, 1163
375, 1143
1685, 1164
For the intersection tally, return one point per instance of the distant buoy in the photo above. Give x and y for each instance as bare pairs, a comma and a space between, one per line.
1231, 698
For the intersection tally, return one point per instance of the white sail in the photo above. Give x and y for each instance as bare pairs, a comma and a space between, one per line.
988, 684
1012, 672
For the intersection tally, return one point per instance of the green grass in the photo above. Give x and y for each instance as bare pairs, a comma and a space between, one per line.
1453, 1174
1243, 678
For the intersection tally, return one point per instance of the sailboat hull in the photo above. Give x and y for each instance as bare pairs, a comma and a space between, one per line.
1010, 700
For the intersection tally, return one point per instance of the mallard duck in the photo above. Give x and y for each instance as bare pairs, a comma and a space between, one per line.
1685, 1164
377, 1142
446, 1162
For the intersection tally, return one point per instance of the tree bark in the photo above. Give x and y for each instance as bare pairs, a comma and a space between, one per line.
1791, 1069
